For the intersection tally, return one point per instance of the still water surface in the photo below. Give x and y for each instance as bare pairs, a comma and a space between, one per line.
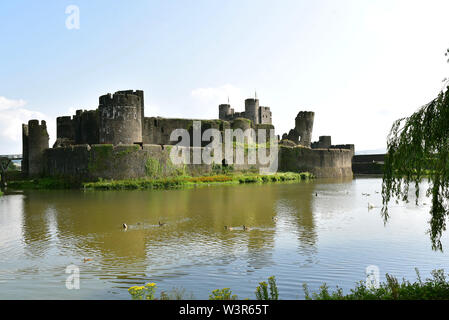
324, 232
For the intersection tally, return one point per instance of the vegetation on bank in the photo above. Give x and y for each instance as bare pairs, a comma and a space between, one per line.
435, 288
45, 183
188, 181
159, 183
1, 193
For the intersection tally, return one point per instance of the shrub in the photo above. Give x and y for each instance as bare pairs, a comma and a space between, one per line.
267, 291
435, 288
176, 294
145, 292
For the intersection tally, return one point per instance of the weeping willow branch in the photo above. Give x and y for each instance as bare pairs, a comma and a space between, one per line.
418, 148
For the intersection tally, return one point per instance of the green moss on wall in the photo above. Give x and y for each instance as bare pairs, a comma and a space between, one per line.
153, 168
127, 150
99, 156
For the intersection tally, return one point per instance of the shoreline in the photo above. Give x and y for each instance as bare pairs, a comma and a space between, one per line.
159, 183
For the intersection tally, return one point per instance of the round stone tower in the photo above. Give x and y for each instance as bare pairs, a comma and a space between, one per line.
120, 118
304, 127
252, 110
224, 110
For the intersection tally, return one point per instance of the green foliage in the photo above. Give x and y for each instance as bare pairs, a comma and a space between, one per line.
418, 147
1, 193
187, 181
146, 292
267, 291
45, 183
435, 288
152, 168
12, 167
222, 294
176, 294
222, 169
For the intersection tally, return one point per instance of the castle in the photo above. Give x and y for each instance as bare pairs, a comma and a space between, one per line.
116, 141
253, 112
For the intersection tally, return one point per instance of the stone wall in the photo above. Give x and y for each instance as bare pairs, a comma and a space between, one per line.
323, 142
82, 128
84, 162
105, 161
157, 130
265, 116
323, 163
368, 164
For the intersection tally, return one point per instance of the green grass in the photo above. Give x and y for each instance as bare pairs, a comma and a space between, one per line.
1, 193
187, 181
175, 182
44, 183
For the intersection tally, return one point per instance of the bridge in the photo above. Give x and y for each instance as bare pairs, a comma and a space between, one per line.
12, 156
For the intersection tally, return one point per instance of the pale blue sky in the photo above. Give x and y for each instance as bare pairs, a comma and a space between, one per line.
358, 64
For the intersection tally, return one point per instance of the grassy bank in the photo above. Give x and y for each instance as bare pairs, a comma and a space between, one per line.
435, 288
158, 183
187, 181
44, 183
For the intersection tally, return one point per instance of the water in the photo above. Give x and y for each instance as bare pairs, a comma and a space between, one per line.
329, 237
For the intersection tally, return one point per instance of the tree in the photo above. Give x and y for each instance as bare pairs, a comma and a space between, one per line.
418, 148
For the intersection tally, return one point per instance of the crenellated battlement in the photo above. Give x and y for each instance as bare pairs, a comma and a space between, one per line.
118, 129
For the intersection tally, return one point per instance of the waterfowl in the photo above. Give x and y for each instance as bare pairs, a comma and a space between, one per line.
246, 228
370, 206
125, 226
87, 259
161, 224
228, 228
274, 218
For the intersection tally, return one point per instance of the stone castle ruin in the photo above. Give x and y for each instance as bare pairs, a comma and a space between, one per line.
301, 134
116, 141
253, 112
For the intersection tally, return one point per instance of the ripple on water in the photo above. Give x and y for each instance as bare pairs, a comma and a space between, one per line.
331, 238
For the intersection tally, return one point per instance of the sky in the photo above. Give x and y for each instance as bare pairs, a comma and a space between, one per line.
359, 65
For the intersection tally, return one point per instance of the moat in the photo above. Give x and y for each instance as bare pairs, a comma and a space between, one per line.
323, 232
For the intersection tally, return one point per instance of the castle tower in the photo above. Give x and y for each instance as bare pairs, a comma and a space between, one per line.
35, 141
304, 127
224, 111
65, 128
137, 93
25, 149
252, 110
121, 118
87, 123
